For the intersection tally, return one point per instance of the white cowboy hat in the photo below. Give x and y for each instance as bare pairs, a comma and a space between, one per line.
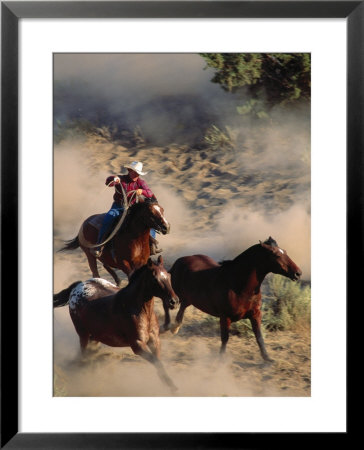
137, 166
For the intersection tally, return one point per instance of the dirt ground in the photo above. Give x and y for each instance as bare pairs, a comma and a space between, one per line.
192, 359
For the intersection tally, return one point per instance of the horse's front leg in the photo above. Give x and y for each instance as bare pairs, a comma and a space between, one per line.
154, 342
167, 319
179, 318
140, 348
256, 320
225, 323
83, 343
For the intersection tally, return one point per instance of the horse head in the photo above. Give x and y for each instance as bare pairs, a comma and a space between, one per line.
154, 218
279, 261
162, 283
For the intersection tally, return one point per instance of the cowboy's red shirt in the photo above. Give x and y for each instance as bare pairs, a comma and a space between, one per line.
128, 185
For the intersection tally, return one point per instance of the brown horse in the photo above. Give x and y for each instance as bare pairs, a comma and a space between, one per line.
129, 249
122, 318
230, 290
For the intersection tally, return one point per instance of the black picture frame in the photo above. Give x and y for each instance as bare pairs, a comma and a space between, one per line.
11, 13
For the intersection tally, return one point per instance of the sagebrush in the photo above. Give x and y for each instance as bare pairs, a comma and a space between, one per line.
287, 306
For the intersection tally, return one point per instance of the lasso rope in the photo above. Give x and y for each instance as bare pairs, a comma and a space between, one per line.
127, 204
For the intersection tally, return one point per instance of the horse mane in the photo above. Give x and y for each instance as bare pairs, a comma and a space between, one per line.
135, 208
137, 274
143, 203
123, 300
132, 212
226, 263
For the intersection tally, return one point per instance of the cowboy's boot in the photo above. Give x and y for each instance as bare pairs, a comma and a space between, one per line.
154, 246
97, 251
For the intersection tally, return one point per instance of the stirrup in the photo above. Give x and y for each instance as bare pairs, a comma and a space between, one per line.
96, 251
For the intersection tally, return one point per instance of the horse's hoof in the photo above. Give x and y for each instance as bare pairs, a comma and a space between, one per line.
268, 360
175, 329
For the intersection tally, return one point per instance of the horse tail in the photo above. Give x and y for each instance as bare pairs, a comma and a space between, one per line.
62, 298
70, 245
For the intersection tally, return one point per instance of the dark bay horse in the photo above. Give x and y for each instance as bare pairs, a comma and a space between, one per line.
129, 249
122, 318
230, 290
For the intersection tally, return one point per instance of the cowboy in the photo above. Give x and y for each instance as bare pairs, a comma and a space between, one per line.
133, 186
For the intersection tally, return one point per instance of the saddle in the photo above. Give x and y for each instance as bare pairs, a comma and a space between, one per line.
97, 220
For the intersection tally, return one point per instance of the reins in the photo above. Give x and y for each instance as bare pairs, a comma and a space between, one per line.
127, 204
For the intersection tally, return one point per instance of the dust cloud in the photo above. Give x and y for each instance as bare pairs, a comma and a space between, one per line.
167, 96
78, 191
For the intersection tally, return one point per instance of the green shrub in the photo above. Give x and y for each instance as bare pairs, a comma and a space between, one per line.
276, 78
218, 139
242, 328
253, 107
210, 326
287, 306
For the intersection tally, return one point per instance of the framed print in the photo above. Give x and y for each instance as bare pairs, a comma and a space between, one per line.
121, 88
